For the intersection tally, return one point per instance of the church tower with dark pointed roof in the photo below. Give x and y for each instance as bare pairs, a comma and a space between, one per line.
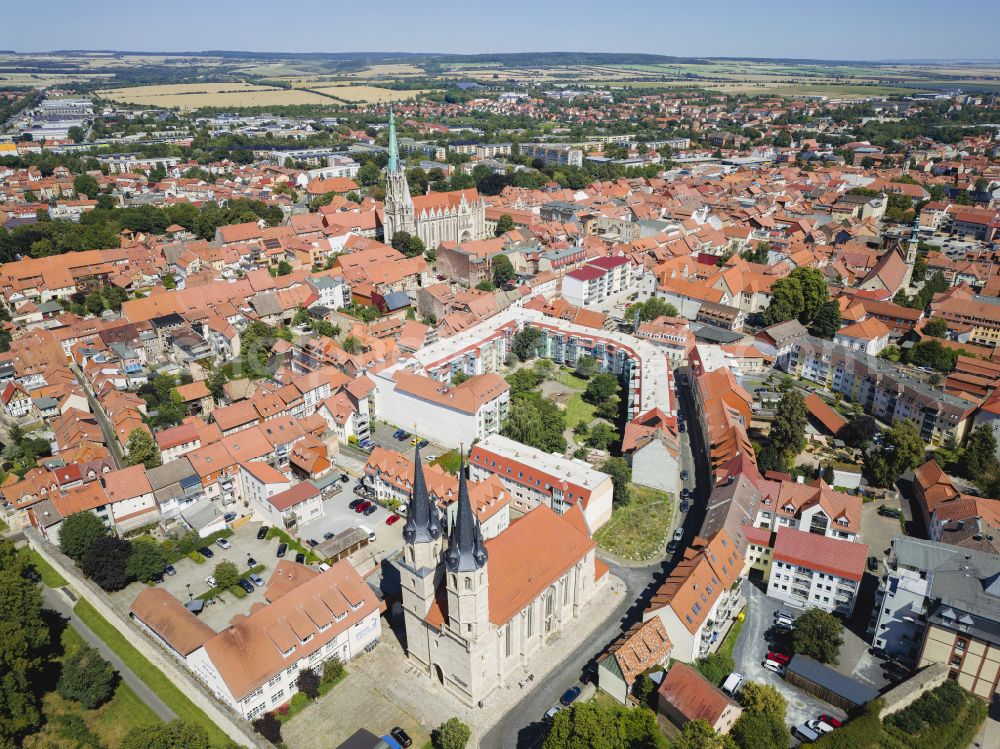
466, 571
423, 545
398, 209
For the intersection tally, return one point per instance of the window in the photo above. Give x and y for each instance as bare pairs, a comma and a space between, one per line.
468, 582
277, 696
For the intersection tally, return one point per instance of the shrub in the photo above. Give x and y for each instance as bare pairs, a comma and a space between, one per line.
87, 678
333, 669
195, 557
308, 683
237, 591
269, 727
716, 667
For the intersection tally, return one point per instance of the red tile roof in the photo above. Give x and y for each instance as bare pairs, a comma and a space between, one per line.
833, 556
692, 695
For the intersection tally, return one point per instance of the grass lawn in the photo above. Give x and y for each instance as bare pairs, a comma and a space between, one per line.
570, 380
638, 530
154, 678
106, 725
729, 643
450, 461
49, 576
577, 410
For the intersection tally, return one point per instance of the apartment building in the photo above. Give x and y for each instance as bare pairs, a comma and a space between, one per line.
870, 336
813, 571
252, 665
597, 281
700, 596
553, 154
533, 477
882, 389
982, 314
811, 508
450, 415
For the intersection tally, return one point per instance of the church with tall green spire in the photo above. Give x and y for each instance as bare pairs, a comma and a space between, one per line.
457, 216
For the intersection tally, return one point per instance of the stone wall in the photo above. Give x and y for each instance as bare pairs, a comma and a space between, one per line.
236, 728
911, 690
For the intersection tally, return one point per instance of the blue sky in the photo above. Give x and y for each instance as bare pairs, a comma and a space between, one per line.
848, 29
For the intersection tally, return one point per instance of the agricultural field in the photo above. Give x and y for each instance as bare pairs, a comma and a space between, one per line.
366, 94
195, 95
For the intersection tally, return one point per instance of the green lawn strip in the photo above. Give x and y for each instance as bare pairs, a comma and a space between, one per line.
450, 461
729, 643
570, 380
637, 530
48, 573
578, 410
219, 589
293, 544
150, 674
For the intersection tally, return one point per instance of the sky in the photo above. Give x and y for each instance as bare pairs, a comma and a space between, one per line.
843, 30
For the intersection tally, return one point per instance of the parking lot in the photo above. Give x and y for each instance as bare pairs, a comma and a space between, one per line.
189, 582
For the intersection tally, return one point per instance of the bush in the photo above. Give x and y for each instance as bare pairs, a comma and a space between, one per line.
716, 667
87, 678
333, 670
269, 727
452, 734
196, 557
308, 683
237, 591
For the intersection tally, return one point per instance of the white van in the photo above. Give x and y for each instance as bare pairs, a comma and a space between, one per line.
732, 683
369, 531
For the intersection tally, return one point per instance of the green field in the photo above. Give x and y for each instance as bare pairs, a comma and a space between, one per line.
154, 678
50, 577
638, 530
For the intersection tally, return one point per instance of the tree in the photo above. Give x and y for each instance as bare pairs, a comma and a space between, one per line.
644, 688
979, 459
588, 724
333, 669
369, 174
308, 683
621, 474
601, 436
758, 697
169, 282
142, 449
24, 640
715, 666
650, 309
76, 134
503, 270
486, 285
788, 429
586, 366
799, 295
84, 184
226, 574
459, 377
757, 255
754, 729
87, 678
936, 327
827, 320
147, 559
601, 387
526, 342
173, 735
105, 562
504, 224
536, 421
698, 734
452, 734
78, 533
94, 303
858, 430
284, 268
269, 726
351, 344
216, 383
819, 635
902, 449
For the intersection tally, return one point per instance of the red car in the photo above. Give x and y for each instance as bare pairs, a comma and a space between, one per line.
363, 506
830, 721
391, 519
781, 658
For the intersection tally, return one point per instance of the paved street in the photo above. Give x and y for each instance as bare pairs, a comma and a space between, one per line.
58, 602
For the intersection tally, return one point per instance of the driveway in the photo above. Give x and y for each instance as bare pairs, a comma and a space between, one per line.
752, 648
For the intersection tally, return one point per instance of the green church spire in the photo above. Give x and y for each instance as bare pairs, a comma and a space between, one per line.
393, 148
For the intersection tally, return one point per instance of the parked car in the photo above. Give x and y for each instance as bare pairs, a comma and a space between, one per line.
431, 458
415, 441
889, 512
262, 532
370, 510
551, 713
684, 475
896, 670
251, 562
685, 492
422, 444
773, 666
223, 543
300, 558
685, 505
354, 503
282, 548
880, 653
313, 542
169, 569
229, 517
257, 580
783, 618
830, 720
157, 578
569, 695
246, 585
783, 658
206, 552
819, 726
328, 535
392, 519
676, 540
872, 564
804, 733
210, 581
401, 736
732, 683
344, 478
362, 506
681, 428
